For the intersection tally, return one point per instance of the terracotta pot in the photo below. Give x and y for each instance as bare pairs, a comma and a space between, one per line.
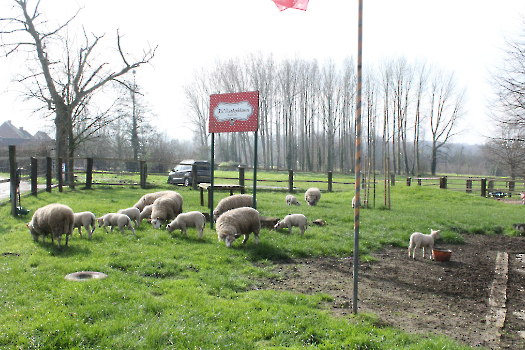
442, 254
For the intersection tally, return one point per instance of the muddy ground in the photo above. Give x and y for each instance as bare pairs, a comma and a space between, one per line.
446, 298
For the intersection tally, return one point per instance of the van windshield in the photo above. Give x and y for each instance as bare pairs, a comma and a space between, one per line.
182, 167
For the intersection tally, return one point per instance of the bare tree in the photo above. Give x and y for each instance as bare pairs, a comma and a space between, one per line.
67, 91
445, 108
507, 150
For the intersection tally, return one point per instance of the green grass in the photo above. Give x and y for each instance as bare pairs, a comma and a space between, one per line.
168, 291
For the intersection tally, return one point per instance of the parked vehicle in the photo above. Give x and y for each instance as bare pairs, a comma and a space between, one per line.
182, 174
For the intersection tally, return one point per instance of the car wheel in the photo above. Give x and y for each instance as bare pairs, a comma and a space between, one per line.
187, 181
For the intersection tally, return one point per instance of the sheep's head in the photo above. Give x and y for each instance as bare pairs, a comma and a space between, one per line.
227, 233
100, 222
279, 225
32, 230
157, 222
435, 234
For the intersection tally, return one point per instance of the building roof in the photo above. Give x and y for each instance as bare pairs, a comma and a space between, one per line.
9, 131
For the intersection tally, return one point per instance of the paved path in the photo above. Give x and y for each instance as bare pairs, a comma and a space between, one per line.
5, 188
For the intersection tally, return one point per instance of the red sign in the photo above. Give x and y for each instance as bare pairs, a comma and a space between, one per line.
235, 112
293, 4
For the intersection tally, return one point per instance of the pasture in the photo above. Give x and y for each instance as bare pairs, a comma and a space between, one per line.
167, 291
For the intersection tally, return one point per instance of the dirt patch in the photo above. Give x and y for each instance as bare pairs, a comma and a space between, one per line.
446, 298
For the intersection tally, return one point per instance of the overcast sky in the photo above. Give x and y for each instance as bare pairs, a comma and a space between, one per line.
464, 36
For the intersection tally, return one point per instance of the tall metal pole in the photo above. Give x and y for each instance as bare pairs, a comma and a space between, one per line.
254, 205
358, 154
212, 162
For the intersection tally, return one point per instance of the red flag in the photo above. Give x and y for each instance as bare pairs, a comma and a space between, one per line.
294, 4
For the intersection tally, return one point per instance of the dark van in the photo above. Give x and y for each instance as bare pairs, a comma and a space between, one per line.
182, 173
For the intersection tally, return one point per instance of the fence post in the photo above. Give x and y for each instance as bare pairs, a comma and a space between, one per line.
443, 182
409, 180
290, 181
392, 179
469, 185
511, 187
329, 181
241, 176
60, 179
194, 176
142, 174
49, 173
419, 180
34, 176
12, 178
89, 173
490, 186
483, 187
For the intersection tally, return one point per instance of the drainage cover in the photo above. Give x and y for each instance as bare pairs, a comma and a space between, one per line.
85, 275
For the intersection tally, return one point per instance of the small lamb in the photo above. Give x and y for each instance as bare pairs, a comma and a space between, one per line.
86, 219
292, 200
312, 196
237, 222
112, 219
191, 219
421, 240
298, 220
133, 213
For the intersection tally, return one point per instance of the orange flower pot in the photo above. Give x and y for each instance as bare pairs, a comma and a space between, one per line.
442, 254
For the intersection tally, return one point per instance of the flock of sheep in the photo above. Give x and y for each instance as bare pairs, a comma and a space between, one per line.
233, 215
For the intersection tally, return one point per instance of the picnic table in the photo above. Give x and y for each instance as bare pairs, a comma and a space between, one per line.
204, 186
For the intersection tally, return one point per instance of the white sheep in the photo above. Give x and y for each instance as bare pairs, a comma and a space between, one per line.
145, 213
86, 219
312, 196
421, 240
133, 213
190, 219
54, 220
290, 220
165, 209
113, 219
292, 200
232, 202
236, 222
353, 202
149, 198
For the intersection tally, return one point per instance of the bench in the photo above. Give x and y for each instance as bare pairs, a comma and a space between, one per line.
206, 187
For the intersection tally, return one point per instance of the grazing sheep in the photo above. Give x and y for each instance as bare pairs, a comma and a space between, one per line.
191, 219
312, 196
292, 200
53, 219
519, 227
133, 213
149, 198
236, 222
421, 240
298, 220
165, 209
232, 202
145, 213
112, 219
86, 219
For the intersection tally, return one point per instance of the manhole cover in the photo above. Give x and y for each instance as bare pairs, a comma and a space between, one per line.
85, 275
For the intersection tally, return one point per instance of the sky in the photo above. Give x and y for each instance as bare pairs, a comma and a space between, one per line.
463, 36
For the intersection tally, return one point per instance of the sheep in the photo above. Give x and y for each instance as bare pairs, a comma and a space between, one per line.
145, 213
114, 219
519, 227
236, 222
420, 240
232, 202
312, 196
353, 202
133, 213
298, 220
191, 219
292, 200
149, 198
165, 209
86, 219
53, 219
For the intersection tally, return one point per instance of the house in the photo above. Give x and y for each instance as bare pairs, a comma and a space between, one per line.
11, 135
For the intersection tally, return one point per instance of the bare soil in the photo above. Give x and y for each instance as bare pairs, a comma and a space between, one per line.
421, 296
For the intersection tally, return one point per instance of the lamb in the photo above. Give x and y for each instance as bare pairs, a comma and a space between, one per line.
133, 213
53, 219
232, 202
236, 222
113, 219
292, 200
191, 219
353, 202
312, 196
420, 240
298, 220
145, 213
86, 219
165, 209
149, 198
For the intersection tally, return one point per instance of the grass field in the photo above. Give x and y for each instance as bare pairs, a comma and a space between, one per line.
166, 291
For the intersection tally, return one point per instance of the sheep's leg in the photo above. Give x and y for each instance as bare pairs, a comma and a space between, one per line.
289, 229
80, 231
245, 238
58, 240
201, 232
256, 237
